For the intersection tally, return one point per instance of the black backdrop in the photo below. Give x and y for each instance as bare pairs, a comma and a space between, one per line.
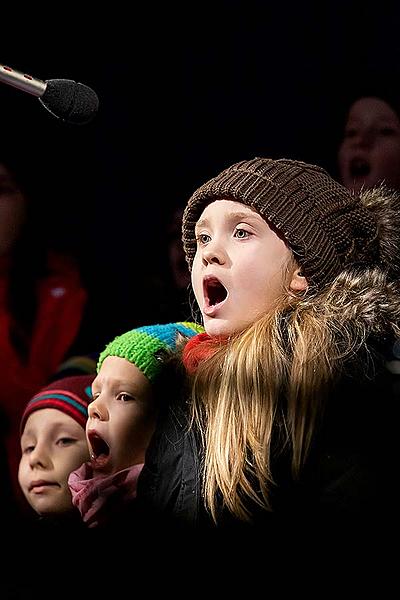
185, 89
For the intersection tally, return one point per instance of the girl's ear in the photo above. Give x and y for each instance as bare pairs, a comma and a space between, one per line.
299, 282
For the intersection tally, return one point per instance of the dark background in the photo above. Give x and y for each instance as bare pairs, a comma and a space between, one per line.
185, 89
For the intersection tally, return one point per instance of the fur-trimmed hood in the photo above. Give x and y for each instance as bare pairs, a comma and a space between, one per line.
384, 203
363, 301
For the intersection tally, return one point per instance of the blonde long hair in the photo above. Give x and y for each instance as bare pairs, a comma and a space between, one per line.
273, 376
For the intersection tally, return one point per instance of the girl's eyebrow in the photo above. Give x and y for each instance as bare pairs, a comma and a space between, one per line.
236, 216
201, 223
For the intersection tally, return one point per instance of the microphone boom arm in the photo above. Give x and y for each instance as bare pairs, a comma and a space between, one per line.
22, 81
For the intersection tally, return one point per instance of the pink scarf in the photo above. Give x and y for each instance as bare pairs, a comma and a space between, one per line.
98, 498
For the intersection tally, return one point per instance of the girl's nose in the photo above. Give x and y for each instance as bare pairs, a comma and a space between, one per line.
96, 410
214, 253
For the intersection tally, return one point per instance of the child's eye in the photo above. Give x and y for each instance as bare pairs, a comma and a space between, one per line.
124, 397
28, 449
203, 238
241, 233
387, 131
66, 441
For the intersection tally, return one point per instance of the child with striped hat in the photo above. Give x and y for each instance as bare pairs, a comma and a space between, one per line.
53, 443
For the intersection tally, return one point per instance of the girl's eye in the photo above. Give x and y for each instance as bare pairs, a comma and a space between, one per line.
241, 233
28, 449
66, 441
124, 397
203, 238
387, 131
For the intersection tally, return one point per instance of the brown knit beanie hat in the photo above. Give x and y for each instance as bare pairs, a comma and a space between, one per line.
324, 224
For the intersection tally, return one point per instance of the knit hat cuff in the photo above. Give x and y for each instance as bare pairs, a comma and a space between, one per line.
70, 395
142, 346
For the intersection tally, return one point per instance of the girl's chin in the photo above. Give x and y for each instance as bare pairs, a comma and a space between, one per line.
221, 327
106, 470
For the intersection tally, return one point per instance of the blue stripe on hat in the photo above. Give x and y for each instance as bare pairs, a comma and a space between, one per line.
81, 407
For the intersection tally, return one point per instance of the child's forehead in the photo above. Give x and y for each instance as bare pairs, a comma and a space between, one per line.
227, 207
49, 419
117, 372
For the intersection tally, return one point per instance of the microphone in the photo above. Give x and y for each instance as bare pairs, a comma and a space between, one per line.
68, 100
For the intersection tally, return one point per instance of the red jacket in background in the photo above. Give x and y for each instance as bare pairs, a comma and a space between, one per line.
61, 299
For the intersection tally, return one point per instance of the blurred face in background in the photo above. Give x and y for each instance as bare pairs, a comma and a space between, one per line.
12, 211
369, 153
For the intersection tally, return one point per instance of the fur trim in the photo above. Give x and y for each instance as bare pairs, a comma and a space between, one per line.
359, 304
384, 203
363, 302
368, 298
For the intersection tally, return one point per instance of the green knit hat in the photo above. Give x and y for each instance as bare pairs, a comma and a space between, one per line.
141, 346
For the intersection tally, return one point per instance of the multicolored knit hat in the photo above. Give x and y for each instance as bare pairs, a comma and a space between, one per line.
326, 226
142, 346
70, 395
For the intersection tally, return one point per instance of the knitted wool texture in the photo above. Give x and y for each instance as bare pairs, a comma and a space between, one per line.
70, 395
142, 346
323, 223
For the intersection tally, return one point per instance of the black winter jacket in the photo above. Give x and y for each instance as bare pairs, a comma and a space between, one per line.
348, 479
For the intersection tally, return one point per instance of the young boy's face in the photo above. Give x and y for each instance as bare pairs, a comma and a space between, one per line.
121, 416
53, 445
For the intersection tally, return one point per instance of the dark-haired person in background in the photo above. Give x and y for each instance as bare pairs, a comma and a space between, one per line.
369, 154
369, 151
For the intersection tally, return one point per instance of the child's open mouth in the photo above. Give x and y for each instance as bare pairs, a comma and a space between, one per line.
359, 168
99, 450
215, 293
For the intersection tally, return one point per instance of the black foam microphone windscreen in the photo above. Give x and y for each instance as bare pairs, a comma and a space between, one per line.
70, 101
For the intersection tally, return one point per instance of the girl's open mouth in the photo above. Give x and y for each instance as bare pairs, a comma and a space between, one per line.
215, 294
99, 450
